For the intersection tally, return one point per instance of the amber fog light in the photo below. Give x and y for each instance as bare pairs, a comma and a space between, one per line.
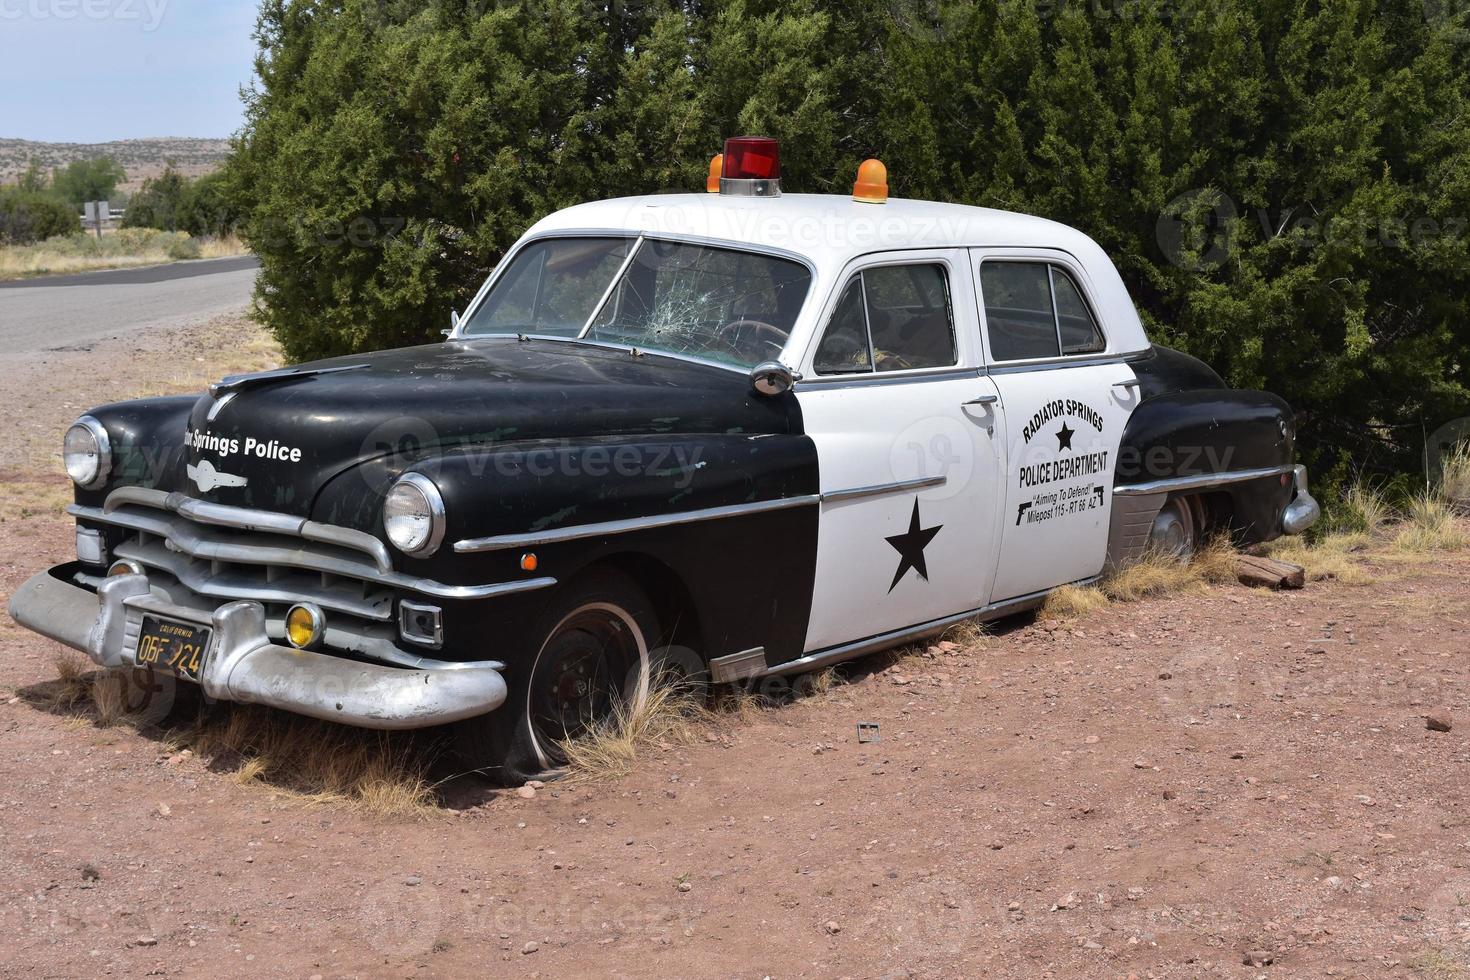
124, 567
304, 626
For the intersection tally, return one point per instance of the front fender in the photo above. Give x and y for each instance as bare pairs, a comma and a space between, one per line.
147, 437
749, 576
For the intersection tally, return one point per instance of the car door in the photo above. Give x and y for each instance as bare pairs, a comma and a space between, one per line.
904, 423
1067, 398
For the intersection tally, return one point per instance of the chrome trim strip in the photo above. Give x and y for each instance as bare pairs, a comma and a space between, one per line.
1058, 364
878, 489
883, 641
889, 377
194, 545
500, 542
1177, 483
287, 590
246, 519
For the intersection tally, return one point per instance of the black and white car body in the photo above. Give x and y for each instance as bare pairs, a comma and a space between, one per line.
773, 432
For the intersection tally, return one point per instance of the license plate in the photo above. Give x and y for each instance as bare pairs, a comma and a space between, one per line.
165, 644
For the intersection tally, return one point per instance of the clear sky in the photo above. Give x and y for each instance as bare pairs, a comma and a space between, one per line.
90, 71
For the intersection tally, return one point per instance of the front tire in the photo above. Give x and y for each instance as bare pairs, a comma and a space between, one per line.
592, 650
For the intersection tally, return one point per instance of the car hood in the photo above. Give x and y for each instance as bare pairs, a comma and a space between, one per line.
274, 443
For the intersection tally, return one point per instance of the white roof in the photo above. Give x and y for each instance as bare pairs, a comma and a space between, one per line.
830, 230
819, 226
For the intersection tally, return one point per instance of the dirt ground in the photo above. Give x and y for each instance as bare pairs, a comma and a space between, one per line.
1235, 783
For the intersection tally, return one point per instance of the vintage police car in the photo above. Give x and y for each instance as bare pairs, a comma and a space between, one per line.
779, 431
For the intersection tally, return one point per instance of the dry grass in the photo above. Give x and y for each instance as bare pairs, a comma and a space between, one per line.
1072, 601
241, 347
1155, 574
666, 715
1429, 527
315, 762
72, 687
1370, 510
222, 248
1336, 557
23, 499
1454, 477
312, 761
816, 683
127, 248
969, 633
92, 697
1438, 964
737, 704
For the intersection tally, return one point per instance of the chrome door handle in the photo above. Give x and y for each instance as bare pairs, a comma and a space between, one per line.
1131, 383
982, 400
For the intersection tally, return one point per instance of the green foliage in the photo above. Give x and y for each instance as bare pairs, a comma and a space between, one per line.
173, 202
34, 180
1283, 185
87, 180
159, 203
29, 216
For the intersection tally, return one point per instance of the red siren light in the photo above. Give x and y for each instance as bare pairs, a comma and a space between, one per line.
751, 167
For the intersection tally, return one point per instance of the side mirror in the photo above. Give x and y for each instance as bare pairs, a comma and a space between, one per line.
772, 378
453, 320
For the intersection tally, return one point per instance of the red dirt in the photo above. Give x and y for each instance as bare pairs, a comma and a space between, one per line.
1158, 790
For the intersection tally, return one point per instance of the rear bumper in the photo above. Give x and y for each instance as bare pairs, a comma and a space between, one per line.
243, 665
1303, 511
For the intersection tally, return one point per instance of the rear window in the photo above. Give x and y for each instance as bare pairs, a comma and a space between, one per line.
1035, 309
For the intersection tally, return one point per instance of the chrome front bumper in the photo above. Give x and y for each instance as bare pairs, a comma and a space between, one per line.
242, 664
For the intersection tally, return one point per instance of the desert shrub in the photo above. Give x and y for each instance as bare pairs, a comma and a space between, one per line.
1280, 184
31, 216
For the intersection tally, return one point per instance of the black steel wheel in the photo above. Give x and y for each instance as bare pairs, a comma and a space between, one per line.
592, 659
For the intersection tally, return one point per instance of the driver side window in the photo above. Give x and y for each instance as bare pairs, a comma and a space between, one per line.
890, 318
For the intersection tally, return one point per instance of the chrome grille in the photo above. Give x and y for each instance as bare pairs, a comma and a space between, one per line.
224, 553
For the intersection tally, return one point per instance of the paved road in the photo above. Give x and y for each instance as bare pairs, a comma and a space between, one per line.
66, 312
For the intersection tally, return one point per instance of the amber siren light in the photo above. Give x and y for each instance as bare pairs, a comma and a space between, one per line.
751, 167
872, 183
716, 168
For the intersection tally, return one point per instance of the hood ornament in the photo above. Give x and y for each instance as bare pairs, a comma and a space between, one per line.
206, 477
238, 382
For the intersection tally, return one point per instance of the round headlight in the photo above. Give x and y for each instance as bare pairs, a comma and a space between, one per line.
413, 515
87, 453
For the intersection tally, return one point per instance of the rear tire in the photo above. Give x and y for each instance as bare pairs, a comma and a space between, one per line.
1176, 529
592, 647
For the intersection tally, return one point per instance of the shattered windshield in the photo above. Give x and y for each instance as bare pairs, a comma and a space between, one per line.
720, 304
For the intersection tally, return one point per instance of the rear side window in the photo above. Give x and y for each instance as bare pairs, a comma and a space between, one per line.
1075, 325
1034, 309
890, 318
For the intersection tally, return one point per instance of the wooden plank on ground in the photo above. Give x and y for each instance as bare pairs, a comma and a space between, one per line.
1269, 573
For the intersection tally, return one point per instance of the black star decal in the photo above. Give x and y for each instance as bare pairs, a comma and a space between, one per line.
910, 547
1064, 437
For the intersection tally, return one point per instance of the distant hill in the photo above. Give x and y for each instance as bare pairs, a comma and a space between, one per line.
141, 158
